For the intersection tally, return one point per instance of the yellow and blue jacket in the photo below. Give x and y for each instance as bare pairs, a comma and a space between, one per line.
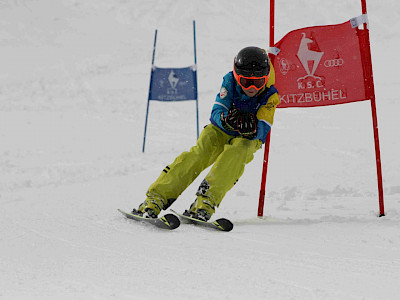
262, 105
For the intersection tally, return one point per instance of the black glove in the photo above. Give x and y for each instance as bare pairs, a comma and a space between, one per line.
230, 122
247, 125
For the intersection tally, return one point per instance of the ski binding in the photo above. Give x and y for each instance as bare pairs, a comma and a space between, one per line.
220, 224
168, 221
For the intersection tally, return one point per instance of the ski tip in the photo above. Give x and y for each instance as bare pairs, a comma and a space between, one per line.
224, 224
122, 211
172, 221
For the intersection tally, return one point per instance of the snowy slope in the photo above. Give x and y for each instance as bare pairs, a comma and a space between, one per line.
74, 79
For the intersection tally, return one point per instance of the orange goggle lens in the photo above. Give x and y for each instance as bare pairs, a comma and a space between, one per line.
251, 82
248, 82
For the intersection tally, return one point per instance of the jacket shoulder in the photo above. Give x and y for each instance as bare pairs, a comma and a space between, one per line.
271, 79
228, 78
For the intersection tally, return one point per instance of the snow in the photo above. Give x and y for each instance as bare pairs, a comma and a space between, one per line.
74, 80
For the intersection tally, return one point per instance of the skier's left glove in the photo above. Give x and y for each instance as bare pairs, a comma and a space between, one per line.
247, 125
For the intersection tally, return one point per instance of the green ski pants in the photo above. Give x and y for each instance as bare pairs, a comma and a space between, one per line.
228, 154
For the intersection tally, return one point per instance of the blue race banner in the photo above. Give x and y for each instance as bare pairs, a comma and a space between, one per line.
173, 84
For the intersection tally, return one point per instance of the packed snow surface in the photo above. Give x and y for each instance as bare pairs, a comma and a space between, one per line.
74, 78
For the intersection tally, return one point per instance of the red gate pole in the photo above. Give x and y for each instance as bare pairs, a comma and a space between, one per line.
370, 82
261, 199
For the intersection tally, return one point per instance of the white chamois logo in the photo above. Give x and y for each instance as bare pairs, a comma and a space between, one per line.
305, 55
173, 81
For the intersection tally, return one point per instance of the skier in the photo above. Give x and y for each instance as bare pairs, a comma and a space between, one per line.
241, 118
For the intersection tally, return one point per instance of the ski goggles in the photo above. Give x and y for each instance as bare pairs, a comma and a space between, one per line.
251, 82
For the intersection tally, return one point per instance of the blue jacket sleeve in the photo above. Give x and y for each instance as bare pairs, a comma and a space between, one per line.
216, 112
262, 131
223, 102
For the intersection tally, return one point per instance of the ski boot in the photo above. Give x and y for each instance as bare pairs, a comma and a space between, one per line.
202, 209
148, 213
200, 214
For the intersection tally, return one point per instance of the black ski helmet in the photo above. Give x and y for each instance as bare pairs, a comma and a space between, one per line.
252, 62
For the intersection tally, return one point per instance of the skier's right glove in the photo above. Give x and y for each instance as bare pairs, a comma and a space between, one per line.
231, 121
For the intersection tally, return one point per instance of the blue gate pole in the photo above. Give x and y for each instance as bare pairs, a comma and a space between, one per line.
195, 78
148, 99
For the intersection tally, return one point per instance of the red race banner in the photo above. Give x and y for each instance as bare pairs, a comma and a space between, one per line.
322, 65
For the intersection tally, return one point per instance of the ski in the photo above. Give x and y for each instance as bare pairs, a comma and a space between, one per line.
168, 221
220, 224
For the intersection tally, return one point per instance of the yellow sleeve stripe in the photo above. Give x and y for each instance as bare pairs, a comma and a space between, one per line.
267, 111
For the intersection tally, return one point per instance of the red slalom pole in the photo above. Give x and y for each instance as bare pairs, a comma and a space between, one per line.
264, 177
261, 199
371, 92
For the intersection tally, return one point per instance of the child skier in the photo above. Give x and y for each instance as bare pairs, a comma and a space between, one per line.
241, 118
